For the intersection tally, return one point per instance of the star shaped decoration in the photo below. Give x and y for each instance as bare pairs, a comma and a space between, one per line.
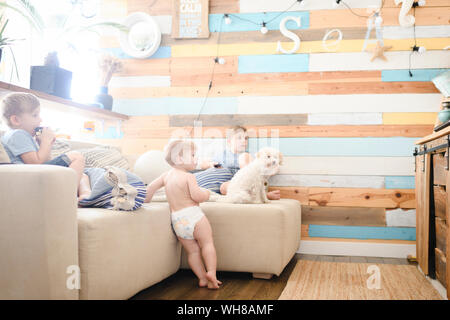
378, 51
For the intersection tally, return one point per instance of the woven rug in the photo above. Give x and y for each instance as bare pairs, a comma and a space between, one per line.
317, 280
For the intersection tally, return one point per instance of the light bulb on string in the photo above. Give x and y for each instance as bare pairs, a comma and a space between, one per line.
227, 18
420, 49
336, 3
264, 29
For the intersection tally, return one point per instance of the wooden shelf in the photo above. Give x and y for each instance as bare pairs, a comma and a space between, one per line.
66, 105
434, 136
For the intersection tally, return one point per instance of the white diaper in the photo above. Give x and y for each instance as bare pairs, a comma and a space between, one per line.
184, 221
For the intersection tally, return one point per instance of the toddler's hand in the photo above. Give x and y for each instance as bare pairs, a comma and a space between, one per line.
47, 135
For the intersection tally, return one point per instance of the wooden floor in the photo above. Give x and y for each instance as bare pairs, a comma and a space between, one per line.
238, 285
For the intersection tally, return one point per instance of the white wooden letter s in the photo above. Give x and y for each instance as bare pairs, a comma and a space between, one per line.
290, 35
404, 19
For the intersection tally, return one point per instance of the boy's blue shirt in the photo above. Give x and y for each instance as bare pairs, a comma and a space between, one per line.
17, 142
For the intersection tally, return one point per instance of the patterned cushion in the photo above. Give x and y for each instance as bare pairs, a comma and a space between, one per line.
103, 156
59, 148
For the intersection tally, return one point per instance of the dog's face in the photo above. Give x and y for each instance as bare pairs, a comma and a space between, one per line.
271, 159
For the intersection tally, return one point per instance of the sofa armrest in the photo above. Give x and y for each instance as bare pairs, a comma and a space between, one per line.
38, 231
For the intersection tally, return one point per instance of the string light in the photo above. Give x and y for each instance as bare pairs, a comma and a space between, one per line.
415, 48
264, 29
227, 18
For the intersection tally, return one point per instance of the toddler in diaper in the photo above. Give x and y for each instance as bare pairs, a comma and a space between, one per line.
188, 221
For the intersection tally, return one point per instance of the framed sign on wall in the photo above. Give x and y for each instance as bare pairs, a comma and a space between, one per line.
190, 19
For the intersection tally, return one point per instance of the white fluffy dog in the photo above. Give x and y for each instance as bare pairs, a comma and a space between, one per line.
248, 184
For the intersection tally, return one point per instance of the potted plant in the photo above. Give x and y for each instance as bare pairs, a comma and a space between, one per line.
108, 66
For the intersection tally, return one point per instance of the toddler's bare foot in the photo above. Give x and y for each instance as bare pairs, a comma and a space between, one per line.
84, 195
274, 195
213, 283
203, 282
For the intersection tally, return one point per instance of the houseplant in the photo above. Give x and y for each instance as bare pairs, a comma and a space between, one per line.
108, 66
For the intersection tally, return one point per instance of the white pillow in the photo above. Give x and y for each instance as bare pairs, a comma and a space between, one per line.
151, 165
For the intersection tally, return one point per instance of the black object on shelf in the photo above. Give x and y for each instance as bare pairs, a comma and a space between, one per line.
442, 126
52, 80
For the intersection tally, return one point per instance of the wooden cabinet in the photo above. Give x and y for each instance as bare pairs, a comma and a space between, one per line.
433, 206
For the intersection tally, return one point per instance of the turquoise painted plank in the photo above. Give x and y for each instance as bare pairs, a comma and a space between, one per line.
162, 52
359, 232
175, 105
403, 75
274, 63
401, 182
241, 21
110, 133
363, 147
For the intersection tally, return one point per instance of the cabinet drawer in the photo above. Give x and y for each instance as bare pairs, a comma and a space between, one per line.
441, 235
439, 169
441, 264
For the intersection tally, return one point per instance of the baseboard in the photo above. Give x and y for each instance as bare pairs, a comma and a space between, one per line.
365, 249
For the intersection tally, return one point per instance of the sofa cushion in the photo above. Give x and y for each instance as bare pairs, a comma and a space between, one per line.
4, 158
122, 253
104, 156
59, 147
151, 165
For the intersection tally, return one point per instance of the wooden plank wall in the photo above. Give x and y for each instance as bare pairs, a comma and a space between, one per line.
346, 125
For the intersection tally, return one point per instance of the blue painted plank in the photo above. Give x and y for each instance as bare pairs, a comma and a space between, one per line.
273, 63
360, 232
367, 147
175, 105
400, 182
403, 75
162, 52
110, 133
243, 21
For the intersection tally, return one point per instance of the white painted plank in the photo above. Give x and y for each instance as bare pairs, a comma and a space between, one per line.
427, 102
345, 118
247, 6
323, 181
401, 218
354, 248
397, 32
358, 166
351, 61
142, 81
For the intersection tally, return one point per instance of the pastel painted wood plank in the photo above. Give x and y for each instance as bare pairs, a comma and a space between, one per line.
136, 146
140, 81
401, 218
203, 65
145, 67
216, 91
153, 8
398, 32
355, 103
349, 197
282, 5
371, 87
403, 75
174, 105
361, 61
323, 119
273, 63
410, 117
161, 53
365, 166
357, 247
404, 182
344, 18
147, 121
274, 78
362, 232
343, 216
240, 21
229, 120
111, 9
325, 181
363, 147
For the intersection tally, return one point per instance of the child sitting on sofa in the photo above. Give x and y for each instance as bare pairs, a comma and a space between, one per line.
188, 221
22, 114
226, 163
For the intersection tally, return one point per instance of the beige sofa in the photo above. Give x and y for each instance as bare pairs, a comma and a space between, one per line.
43, 233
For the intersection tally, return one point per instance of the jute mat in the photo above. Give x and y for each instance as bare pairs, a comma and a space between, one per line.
317, 280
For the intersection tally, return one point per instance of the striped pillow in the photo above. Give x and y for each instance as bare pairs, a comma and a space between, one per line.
104, 156
212, 178
59, 147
